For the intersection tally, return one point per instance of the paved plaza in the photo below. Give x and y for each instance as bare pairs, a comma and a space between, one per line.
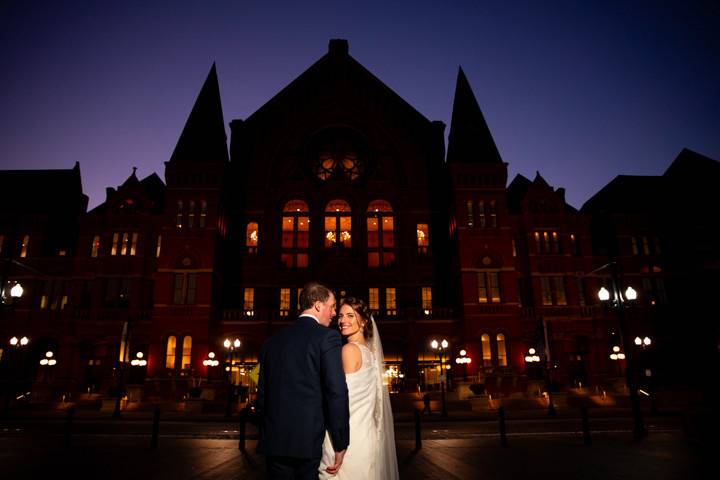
458, 448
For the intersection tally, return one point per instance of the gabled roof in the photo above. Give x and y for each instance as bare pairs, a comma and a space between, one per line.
627, 193
521, 186
470, 140
693, 167
150, 188
334, 72
203, 139
36, 191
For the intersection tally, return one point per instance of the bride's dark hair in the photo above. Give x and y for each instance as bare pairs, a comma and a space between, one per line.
363, 311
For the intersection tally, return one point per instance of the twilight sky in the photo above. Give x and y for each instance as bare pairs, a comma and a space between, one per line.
580, 90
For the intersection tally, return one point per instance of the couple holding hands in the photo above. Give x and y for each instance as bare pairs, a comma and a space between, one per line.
324, 411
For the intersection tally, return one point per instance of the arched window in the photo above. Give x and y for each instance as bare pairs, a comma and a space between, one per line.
187, 353
251, 237
501, 350
191, 214
179, 214
170, 352
486, 353
295, 234
381, 235
338, 224
203, 213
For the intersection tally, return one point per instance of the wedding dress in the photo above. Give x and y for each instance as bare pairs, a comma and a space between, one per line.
371, 454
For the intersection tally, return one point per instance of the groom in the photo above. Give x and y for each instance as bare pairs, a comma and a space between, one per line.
302, 391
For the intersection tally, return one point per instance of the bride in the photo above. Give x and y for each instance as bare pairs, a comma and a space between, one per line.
371, 454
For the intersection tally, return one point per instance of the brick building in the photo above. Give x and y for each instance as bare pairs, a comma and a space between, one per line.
338, 179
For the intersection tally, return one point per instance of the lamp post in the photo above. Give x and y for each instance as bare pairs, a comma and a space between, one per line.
210, 361
18, 345
644, 344
463, 360
230, 347
440, 348
620, 301
47, 362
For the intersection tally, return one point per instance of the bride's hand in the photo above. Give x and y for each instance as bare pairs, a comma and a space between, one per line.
333, 469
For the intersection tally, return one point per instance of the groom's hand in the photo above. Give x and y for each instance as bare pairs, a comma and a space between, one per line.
333, 469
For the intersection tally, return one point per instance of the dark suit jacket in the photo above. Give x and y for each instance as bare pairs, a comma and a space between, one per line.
302, 391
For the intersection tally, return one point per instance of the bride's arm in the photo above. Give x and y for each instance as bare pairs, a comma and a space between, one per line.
351, 358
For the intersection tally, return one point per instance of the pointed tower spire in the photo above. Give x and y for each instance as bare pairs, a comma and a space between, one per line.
203, 138
470, 140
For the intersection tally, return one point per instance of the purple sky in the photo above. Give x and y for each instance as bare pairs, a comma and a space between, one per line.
581, 91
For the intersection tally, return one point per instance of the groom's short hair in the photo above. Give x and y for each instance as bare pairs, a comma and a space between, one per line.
313, 292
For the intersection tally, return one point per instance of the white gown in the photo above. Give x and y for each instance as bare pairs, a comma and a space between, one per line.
364, 459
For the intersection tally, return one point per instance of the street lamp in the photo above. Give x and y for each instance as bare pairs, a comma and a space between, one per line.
14, 372
618, 300
48, 361
210, 361
230, 347
9, 295
440, 348
463, 360
139, 361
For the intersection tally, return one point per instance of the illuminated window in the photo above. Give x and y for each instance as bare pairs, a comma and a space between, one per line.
114, 246
553, 290
184, 286
486, 353
95, 246
338, 224
501, 351
191, 214
423, 238
493, 214
426, 294
337, 163
24, 246
133, 244
488, 287
284, 302
645, 245
187, 353
390, 301
159, 245
124, 244
203, 213
470, 215
547, 242
482, 218
179, 214
251, 237
170, 352
295, 234
559, 290
634, 246
546, 290
374, 298
381, 239
249, 301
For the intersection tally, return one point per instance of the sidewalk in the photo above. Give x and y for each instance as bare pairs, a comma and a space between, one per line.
611, 456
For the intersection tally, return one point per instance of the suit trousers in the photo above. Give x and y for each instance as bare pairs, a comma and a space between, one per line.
289, 468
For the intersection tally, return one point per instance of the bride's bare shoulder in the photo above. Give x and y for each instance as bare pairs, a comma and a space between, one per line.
351, 358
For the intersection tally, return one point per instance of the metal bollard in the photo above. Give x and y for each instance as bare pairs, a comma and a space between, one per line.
503, 434
243, 423
585, 425
68, 425
418, 433
155, 428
